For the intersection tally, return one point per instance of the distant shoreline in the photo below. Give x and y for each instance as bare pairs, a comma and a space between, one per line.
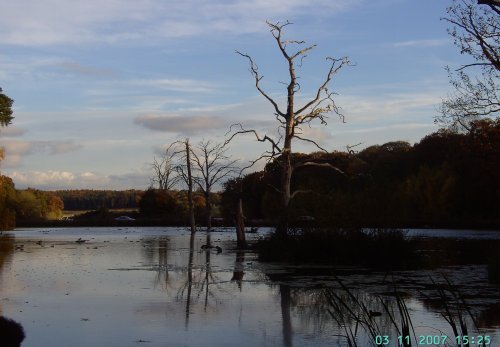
473, 225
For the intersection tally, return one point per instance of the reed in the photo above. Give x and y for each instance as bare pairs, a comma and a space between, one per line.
354, 317
378, 248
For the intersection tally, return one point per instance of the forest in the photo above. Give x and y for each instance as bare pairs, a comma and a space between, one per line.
26, 206
89, 199
448, 179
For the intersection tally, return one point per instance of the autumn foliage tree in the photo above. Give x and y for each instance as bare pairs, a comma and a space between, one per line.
7, 191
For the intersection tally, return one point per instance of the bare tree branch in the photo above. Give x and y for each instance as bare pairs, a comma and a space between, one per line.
476, 32
334, 68
325, 165
274, 145
255, 72
310, 141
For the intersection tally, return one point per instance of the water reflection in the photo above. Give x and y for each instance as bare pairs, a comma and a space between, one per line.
332, 308
286, 304
175, 292
6, 249
189, 279
6, 252
239, 267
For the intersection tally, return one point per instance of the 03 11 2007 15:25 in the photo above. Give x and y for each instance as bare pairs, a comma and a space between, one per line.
436, 340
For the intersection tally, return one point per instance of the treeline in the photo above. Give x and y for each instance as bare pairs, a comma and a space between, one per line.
87, 199
447, 179
155, 207
26, 206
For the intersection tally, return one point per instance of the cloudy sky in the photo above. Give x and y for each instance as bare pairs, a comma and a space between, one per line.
101, 86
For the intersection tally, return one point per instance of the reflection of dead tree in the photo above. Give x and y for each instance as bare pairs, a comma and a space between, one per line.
238, 272
156, 255
285, 315
200, 281
294, 118
162, 274
212, 166
189, 278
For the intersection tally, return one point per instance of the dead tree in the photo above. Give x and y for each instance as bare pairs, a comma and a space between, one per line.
233, 197
211, 165
190, 187
292, 118
181, 155
475, 29
165, 175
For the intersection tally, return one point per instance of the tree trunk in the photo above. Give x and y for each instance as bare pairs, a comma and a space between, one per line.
190, 189
239, 221
208, 209
286, 180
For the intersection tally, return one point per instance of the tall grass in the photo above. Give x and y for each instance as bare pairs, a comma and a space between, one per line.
355, 318
380, 248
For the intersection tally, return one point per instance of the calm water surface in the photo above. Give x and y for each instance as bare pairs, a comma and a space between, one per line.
157, 287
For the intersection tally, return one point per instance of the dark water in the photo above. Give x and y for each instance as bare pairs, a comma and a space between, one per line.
157, 287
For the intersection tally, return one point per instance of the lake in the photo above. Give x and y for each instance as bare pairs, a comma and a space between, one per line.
158, 287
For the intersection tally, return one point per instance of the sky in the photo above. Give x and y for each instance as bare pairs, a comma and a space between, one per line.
102, 86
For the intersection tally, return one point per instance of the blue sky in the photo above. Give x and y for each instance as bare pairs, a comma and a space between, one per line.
101, 86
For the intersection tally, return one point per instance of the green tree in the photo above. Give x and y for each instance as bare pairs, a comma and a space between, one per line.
5, 109
7, 204
7, 191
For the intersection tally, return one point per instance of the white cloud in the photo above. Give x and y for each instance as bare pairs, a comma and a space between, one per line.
74, 67
180, 124
35, 23
179, 85
383, 108
56, 179
16, 150
12, 131
54, 147
422, 43
53, 180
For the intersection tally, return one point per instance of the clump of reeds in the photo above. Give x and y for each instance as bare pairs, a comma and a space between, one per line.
494, 267
455, 310
354, 317
380, 248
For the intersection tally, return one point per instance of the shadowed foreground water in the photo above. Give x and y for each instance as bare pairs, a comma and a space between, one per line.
158, 287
